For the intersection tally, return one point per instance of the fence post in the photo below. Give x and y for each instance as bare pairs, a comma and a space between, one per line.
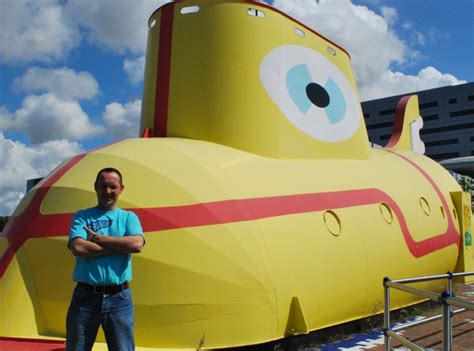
447, 327
386, 314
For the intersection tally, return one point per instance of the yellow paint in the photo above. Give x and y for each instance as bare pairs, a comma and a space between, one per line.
412, 112
227, 284
462, 202
18, 316
212, 280
216, 55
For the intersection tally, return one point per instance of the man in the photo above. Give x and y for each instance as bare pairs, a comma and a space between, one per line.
103, 238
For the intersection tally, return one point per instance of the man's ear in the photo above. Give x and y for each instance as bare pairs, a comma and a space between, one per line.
123, 187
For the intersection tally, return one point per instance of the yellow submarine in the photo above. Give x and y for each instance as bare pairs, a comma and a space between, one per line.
267, 213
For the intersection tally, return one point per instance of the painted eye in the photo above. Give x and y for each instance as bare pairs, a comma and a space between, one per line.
311, 92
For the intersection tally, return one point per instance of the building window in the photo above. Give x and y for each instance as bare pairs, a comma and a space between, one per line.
462, 113
366, 115
429, 117
385, 137
429, 104
470, 98
447, 128
472, 138
380, 125
442, 142
453, 101
387, 112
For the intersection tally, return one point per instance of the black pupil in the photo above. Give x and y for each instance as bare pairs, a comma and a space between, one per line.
317, 95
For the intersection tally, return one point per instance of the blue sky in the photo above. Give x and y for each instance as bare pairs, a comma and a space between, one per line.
71, 71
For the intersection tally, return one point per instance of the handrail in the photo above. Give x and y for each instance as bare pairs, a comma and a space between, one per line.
445, 298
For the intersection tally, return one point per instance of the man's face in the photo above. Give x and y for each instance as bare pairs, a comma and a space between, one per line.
108, 189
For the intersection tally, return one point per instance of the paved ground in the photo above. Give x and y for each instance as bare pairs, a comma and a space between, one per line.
428, 335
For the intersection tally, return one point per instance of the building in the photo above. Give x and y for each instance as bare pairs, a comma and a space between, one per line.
448, 116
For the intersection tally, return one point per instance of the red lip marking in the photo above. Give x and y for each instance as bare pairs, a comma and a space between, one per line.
32, 224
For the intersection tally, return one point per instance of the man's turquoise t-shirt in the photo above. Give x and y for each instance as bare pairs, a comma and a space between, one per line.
106, 270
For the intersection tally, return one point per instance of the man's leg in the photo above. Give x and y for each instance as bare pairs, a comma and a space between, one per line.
83, 320
117, 321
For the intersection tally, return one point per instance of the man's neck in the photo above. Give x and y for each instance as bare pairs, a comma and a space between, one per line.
102, 208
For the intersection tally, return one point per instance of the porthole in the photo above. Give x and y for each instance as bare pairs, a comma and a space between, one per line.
386, 212
425, 206
255, 12
299, 32
333, 223
331, 51
189, 9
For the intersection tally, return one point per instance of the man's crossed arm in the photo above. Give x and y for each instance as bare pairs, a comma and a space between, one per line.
98, 245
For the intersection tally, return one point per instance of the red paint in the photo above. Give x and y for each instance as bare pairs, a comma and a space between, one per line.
147, 133
399, 119
22, 344
163, 71
32, 224
230, 211
451, 236
271, 8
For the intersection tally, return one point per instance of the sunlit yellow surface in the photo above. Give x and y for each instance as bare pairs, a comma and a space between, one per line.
248, 274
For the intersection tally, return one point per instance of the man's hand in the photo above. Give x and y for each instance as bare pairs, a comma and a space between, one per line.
91, 235
88, 249
119, 244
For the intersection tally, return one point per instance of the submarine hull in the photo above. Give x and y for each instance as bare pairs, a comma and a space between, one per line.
228, 259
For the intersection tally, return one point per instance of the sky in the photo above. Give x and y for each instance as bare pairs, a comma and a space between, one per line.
71, 71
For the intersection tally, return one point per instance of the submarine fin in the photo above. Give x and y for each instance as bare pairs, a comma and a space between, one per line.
408, 123
296, 322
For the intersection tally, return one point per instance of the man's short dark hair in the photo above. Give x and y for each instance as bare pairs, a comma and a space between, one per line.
109, 170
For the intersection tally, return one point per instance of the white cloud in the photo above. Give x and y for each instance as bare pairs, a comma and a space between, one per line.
135, 69
436, 35
19, 162
122, 120
6, 119
390, 14
119, 25
47, 117
374, 47
397, 83
63, 82
34, 31
418, 38
47, 30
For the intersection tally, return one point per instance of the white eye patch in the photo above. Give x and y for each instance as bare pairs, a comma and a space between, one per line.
312, 93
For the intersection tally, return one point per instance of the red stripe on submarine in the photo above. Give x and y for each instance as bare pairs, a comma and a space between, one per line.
266, 211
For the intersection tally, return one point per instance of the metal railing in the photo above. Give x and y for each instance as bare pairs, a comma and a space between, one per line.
445, 298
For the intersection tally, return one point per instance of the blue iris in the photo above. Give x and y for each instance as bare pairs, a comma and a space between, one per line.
304, 93
337, 107
297, 79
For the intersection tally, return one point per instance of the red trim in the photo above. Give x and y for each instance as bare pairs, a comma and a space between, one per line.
399, 119
253, 2
22, 344
261, 4
163, 71
31, 223
147, 133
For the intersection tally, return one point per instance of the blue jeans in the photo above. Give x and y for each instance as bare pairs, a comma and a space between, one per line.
89, 310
